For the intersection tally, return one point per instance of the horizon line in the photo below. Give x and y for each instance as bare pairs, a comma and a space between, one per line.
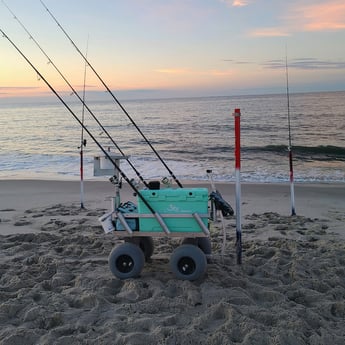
49, 97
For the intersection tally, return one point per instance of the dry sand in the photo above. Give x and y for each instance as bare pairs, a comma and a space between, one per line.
56, 287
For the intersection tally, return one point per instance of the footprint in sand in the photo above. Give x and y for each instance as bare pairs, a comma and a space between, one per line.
22, 222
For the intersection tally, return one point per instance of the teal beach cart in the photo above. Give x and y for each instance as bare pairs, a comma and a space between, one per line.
178, 212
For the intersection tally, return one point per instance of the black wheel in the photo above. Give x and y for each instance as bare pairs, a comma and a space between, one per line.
145, 244
126, 261
188, 262
204, 243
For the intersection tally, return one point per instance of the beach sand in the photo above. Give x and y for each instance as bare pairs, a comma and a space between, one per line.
56, 287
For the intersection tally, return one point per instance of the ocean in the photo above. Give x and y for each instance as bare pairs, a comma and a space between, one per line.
42, 140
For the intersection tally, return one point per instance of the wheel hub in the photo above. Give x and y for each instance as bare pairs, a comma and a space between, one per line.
124, 263
186, 265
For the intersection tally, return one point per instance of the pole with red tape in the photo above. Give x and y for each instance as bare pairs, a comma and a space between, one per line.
237, 117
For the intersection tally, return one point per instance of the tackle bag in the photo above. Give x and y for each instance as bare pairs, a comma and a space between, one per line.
133, 223
221, 204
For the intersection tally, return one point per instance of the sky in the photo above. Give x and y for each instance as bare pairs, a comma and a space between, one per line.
174, 48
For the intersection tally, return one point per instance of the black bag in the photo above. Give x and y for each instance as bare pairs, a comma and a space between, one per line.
221, 204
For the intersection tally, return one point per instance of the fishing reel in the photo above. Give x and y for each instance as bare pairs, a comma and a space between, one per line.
82, 144
135, 183
116, 181
166, 181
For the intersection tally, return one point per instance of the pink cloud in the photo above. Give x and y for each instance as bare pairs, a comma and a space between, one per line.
321, 17
236, 3
181, 71
239, 3
326, 16
269, 32
172, 71
329, 16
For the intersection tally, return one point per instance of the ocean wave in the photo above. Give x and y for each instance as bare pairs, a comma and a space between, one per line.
320, 152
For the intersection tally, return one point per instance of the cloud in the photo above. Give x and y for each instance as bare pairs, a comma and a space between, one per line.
326, 16
81, 86
305, 64
269, 32
181, 71
10, 91
239, 3
172, 71
237, 62
236, 3
18, 88
14, 90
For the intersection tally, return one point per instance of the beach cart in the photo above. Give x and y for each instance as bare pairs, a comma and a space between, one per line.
178, 212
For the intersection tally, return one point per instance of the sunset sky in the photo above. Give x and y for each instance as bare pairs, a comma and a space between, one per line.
169, 48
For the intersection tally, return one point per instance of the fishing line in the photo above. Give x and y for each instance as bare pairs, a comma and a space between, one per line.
85, 128
76, 94
113, 96
292, 191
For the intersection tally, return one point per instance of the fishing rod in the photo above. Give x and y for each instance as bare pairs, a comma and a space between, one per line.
292, 190
50, 61
82, 140
41, 77
113, 96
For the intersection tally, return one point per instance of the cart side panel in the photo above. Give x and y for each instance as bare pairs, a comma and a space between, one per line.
174, 201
